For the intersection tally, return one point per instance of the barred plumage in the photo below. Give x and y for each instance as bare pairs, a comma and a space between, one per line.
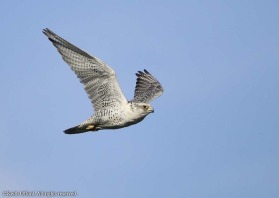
112, 110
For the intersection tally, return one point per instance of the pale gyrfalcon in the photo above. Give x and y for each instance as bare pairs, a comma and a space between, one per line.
112, 110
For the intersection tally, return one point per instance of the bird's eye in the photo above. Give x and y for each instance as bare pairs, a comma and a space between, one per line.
144, 106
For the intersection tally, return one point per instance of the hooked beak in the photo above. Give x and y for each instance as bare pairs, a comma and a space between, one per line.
151, 110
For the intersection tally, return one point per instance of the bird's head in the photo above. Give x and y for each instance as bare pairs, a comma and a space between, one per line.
142, 108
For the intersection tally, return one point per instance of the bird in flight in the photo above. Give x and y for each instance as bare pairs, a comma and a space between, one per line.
111, 109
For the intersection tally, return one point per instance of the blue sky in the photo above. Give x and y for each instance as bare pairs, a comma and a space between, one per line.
215, 129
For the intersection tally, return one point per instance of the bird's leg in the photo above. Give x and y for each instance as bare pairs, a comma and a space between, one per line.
92, 127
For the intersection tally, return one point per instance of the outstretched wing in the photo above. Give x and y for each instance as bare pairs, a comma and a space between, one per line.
147, 87
99, 79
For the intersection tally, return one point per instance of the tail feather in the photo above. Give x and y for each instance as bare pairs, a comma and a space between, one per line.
77, 129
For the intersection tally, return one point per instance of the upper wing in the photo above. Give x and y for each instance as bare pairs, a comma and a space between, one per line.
99, 79
147, 87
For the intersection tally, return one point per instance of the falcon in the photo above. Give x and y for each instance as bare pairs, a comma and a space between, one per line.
111, 109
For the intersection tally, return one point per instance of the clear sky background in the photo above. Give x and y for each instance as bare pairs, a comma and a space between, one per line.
215, 129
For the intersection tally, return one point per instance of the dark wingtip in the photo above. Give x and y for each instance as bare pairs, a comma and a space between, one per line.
53, 41
139, 73
46, 31
146, 71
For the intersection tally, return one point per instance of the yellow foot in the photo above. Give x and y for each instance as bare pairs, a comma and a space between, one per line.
89, 127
